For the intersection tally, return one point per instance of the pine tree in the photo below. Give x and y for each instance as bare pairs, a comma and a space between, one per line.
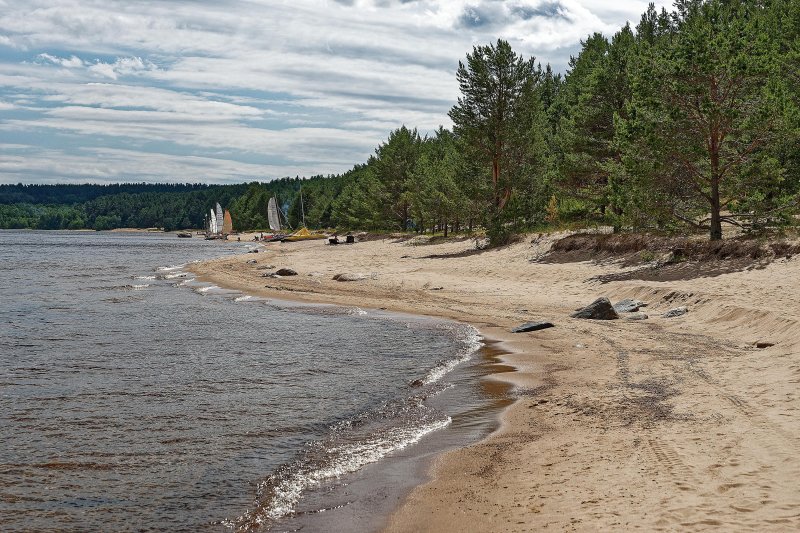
490, 118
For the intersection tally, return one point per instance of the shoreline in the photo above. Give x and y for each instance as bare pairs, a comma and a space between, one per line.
611, 422
495, 384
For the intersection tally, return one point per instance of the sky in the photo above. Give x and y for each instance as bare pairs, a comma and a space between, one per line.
223, 91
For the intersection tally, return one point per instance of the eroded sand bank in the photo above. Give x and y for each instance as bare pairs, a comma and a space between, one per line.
662, 424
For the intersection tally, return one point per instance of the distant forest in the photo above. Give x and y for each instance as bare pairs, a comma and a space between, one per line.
687, 121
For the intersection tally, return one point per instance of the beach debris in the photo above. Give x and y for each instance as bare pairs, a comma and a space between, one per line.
253, 251
269, 275
349, 277
416, 383
764, 344
532, 326
678, 311
285, 272
628, 305
436, 288
600, 309
634, 316
251, 261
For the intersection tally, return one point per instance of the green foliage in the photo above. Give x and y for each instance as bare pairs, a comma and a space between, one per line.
692, 118
502, 122
702, 119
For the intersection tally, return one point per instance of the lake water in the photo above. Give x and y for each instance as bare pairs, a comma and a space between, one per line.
135, 398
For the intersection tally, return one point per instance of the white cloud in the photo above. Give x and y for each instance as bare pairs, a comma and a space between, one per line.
71, 62
309, 84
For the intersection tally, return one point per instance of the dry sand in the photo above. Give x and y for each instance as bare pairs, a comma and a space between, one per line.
664, 424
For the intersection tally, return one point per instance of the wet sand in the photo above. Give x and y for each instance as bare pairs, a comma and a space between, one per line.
662, 424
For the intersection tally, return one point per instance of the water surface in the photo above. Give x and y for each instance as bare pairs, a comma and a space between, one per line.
134, 398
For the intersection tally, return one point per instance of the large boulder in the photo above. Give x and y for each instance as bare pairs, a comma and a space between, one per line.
600, 309
349, 277
285, 272
678, 311
628, 306
532, 326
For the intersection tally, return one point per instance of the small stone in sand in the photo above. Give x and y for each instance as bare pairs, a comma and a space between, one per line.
635, 316
678, 311
764, 344
628, 305
285, 272
532, 326
349, 277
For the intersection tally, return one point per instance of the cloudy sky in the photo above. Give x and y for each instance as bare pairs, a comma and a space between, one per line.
229, 91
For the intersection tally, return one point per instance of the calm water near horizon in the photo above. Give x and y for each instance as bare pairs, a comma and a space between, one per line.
135, 398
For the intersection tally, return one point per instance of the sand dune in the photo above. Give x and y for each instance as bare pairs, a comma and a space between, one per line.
664, 424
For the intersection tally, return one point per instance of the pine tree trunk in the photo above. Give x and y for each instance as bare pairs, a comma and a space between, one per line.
714, 150
496, 180
716, 222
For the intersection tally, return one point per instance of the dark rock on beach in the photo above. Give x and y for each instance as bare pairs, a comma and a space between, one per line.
764, 344
678, 311
600, 309
285, 272
532, 326
349, 277
628, 306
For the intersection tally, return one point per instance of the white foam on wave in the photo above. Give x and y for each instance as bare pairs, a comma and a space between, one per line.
140, 287
206, 289
175, 275
170, 268
144, 277
348, 458
472, 343
245, 298
356, 311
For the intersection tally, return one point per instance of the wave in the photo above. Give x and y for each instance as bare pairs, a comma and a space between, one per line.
144, 277
245, 298
126, 287
206, 288
170, 268
279, 493
472, 341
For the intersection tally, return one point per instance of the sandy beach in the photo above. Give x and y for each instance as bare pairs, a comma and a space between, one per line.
661, 424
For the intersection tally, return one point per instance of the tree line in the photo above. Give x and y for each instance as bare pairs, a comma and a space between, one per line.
689, 119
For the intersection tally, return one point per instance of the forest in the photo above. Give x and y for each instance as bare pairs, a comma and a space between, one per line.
686, 122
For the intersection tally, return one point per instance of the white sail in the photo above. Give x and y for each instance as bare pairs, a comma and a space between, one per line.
220, 218
272, 215
212, 223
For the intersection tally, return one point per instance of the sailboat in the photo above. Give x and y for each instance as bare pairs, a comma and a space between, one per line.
274, 219
220, 224
227, 223
302, 234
